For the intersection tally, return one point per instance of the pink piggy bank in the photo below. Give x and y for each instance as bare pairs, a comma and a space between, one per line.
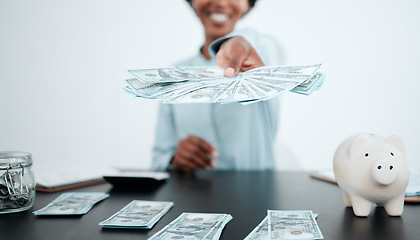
372, 169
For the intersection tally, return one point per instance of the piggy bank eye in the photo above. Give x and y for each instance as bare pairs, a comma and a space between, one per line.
366, 154
392, 154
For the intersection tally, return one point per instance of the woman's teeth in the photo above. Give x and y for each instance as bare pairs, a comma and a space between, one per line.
219, 17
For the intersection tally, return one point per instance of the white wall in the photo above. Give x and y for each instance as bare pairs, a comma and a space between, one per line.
62, 66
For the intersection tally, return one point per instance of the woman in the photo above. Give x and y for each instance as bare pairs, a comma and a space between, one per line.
221, 136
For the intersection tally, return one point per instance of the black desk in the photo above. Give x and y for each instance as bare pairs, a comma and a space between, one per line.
245, 195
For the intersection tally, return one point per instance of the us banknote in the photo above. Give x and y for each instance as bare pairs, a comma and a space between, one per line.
194, 226
312, 84
177, 74
138, 214
207, 84
292, 225
260, 232
72, 203
217, 231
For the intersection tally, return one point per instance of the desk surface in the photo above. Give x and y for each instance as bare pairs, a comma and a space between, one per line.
245, 195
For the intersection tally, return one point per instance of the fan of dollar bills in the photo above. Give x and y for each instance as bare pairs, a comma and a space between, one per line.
204, 84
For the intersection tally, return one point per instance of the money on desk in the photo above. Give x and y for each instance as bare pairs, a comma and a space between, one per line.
292, 225
260, 232
194, 226
72, 203
207, 84
138, 214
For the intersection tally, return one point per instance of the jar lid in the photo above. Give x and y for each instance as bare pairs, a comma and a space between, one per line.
12, 159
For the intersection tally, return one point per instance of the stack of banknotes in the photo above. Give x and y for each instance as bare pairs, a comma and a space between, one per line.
138, 214
194, 226
72, 203
207, 84
287, 225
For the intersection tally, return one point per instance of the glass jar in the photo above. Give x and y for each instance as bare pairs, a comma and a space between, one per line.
17, 182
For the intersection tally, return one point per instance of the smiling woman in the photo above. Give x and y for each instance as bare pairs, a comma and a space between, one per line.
228, 136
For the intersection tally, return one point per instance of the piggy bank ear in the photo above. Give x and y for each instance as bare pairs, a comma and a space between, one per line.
396, 142
359, 142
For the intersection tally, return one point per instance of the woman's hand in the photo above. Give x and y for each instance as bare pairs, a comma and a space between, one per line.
193, 153
237, 55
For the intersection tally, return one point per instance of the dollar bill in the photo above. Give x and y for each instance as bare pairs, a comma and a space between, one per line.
205, 94
206, 84
260, 232
194, 226
292, 225
217, 231
161, 75
268, 71
312, 84
177, 74
160, 91
138, 214
72, 203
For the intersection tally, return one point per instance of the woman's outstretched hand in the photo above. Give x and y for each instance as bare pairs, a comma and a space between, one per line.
237, 55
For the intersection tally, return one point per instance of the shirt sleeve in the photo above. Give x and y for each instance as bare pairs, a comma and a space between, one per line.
165, 139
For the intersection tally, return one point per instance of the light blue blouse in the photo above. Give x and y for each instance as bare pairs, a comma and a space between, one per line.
243, 135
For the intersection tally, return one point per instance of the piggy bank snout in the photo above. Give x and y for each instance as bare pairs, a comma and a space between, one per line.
384, 172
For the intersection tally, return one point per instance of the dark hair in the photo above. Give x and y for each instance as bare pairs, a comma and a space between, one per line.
251, 3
